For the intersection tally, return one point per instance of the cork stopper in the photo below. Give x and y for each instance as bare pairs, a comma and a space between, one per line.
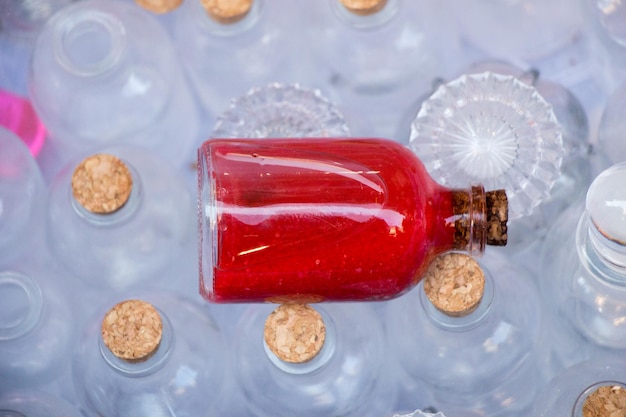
364, 7
159, 6
455, 284
227, 11
294, 332
132, 330
606, 401
497, 216
102, 183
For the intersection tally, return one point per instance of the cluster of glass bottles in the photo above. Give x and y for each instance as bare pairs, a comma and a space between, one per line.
96, 77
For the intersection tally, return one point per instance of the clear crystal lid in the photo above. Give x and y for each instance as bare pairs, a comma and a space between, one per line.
606, 203
281, 111
494, 130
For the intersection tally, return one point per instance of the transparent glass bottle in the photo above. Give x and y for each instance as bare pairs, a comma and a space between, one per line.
484, 360
230, 49
105, 73
497, 130
32, 403
281, 111
528, 29
566, 394
583, 267
348, 376
137, 237
36, 328
181, 373
22, 200
367, 52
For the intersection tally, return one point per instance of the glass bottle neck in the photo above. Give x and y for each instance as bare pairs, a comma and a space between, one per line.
21, 305
365, 22
207, 24
603, 257
90, 43
147, 366
320, 360
125, 212
465, 323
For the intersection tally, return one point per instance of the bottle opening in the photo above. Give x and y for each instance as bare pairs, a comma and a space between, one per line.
21, 303
90, 42
600, 399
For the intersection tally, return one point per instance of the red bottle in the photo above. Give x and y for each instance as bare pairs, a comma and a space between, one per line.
329, 219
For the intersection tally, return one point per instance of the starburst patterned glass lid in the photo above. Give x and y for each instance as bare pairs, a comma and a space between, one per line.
281, 111
494, 130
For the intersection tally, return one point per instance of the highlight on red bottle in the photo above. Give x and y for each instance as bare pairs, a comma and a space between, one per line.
329, 219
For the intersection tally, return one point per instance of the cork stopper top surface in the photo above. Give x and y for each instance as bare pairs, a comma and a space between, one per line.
363, 7
497, 217
159, 6
606, 401
294, 332
132, 330
455, 284
102, 183
227, 11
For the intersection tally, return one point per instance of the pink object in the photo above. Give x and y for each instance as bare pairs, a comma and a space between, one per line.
18, 115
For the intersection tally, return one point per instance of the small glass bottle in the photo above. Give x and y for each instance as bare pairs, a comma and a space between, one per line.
31, 403
118, 217
321, 219
105, 73
587, 389
21, 198
369, 52
473, 335
162, 355
496, 130
36, 329
281, 111
231, 46
583, 268
324, 361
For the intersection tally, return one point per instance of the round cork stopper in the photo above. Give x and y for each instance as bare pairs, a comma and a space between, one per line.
295, 332
159, 6
132, 330
363, 7
102, 183
227, 11
497, 217
455, 284
606, 401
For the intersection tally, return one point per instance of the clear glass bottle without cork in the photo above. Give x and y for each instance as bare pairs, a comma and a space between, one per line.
322, 219
21, 198
36, 328
330, 357
583, 268
161, 355
496, 130
587, 389
230, 47
281, 110
460, 303
118, 217
105, 73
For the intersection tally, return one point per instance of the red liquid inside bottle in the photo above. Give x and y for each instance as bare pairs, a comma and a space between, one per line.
327, 219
